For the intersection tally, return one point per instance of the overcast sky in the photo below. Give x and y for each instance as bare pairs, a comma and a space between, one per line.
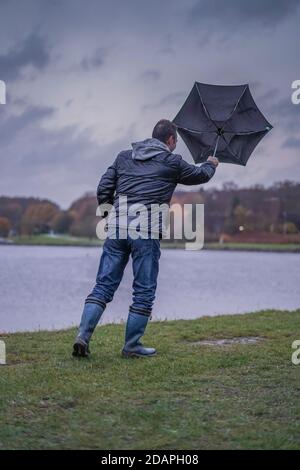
85, 78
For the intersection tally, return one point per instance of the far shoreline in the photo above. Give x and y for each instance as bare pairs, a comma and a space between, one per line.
67, 241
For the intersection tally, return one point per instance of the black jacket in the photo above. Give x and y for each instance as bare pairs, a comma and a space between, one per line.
148, 174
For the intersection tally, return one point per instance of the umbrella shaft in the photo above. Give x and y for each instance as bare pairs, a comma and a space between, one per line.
216, 146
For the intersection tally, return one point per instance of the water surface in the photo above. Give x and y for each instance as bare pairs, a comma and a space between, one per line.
45, 287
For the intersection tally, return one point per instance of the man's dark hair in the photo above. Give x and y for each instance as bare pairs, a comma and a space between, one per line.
163, 130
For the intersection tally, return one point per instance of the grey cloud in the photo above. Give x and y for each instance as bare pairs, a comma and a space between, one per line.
94, 61
170, 99
69, 102
31, 116
238, 13
292, 143
269, 95
285, 113
63, 163
167, 51
33, 51
60, 163
151, 74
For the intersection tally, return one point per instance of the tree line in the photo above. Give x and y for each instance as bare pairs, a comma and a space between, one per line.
229, 210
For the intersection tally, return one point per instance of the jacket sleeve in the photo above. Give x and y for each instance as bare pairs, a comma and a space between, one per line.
193, 174
107, 185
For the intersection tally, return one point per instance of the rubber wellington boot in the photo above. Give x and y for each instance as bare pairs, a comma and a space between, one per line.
135, 328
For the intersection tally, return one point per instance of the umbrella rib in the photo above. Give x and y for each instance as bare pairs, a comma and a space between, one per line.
194, 131
204, 107
232, 153
236, 105
229, 149
225, 132
250, 132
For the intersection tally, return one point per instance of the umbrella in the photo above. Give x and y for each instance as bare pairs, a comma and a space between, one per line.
221, 120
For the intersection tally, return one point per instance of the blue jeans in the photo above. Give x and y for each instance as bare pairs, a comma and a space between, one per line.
145, 263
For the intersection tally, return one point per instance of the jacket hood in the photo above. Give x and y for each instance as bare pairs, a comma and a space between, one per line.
148, 148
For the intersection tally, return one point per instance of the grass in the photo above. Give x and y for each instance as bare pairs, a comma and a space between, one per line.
66, 240
276, 247
62, 240
283, 247
188, 397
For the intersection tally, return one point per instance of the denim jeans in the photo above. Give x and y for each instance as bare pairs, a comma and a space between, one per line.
145, 255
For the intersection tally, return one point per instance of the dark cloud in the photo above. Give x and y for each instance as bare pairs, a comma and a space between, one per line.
151, 74
285, 114
238, 13
269, 95
144, 58
32, 51
60, 163
94, 61
173, 98
167, 51
10, 126
291, 143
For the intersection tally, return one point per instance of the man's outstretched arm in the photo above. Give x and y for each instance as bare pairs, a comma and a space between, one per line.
107, 186
192, 174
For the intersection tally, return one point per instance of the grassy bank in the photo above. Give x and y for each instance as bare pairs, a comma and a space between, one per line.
56, 241
277, 247
270, 247
81, 241
190, 396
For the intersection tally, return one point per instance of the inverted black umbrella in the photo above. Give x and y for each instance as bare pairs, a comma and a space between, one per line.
223, 120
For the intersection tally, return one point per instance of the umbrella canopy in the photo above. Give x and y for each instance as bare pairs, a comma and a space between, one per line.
223, 120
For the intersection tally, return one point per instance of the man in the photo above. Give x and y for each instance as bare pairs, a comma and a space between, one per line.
147, 174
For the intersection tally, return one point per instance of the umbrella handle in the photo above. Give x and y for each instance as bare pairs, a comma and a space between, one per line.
216, 146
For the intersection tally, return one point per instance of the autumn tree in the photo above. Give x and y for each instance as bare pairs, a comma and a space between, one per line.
5, 227
38, 218
62, 222
85, 219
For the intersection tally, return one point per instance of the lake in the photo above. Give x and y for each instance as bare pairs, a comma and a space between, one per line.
45, 287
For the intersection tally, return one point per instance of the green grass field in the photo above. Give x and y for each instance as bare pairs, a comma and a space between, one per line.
56, 241
280, 247
81, 241
189, 396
